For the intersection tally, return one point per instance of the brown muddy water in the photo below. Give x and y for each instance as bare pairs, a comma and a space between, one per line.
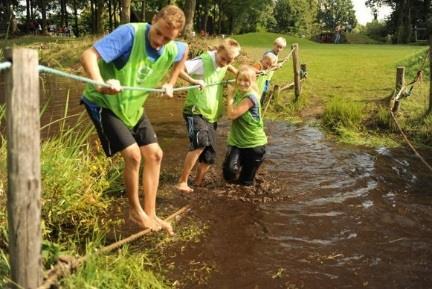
348, 217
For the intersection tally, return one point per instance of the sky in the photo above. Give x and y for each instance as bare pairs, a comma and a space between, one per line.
364, 14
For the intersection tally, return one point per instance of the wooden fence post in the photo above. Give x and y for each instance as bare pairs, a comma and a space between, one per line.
296, 66
430, 73
400, 81
24, 177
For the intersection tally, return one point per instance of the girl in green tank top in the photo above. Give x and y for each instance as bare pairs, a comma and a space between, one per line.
246, 139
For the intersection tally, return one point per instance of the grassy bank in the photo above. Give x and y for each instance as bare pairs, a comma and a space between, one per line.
355, 75
83, 209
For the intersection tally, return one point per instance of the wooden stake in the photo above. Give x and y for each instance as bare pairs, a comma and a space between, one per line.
24, 177
400, 81
296, 67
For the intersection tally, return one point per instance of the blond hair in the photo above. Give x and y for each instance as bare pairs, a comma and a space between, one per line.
270, 56
173, 16
231, 46
280, 41
250, 73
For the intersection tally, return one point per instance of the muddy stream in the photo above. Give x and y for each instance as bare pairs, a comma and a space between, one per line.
326, 215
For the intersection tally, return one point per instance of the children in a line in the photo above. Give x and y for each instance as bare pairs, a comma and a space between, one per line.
203, 108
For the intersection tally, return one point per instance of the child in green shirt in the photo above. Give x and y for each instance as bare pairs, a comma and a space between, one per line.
246, 139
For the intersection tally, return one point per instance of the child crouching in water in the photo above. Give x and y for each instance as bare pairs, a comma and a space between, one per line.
203, 108
246, 139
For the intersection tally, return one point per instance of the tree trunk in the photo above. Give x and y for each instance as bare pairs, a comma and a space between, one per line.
76, 18
27, 11
114, 12
99, 11
220, 17
143, 4
43, 12
62, 13
430, 74
189, 13
110, 16
214, 23
93, 16
205, 15
125, 11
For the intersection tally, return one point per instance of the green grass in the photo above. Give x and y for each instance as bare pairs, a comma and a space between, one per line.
352, 72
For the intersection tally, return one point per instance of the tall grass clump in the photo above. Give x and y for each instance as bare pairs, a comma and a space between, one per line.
74, 182
342, 113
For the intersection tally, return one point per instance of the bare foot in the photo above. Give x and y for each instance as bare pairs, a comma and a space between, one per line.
144, 221
183, 187
165, 225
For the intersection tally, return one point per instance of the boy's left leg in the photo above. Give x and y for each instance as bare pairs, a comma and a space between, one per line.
189, 163
206, 159
152, 155
251, 159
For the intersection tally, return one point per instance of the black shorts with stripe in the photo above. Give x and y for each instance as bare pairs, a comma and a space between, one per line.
114, 134
202, 134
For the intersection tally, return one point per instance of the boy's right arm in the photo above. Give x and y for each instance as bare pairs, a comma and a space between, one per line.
89, 61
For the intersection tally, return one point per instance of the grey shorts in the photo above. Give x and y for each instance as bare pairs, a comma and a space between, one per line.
202, 134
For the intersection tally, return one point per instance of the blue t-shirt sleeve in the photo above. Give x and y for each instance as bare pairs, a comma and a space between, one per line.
181, 49
117, 44
254, 110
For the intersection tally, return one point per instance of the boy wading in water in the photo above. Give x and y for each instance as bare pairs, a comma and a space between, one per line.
246, 139
136, 54
203, 108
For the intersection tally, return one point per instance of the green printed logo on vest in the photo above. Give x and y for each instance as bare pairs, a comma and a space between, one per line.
143, 71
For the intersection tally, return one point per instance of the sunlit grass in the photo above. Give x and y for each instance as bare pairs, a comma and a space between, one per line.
352, 72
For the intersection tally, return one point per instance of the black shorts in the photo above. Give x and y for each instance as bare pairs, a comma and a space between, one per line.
114, 134
202, 134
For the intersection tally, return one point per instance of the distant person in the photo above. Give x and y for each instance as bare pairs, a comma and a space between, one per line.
338, 32
203, 108
134, 54
246, 138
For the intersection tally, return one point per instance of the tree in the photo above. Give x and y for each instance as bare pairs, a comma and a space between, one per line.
332, 12
189, 13
125, 11
296, 16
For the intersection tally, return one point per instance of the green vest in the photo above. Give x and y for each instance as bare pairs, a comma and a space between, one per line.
207, 102
139, 70
261, 81
246, 131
